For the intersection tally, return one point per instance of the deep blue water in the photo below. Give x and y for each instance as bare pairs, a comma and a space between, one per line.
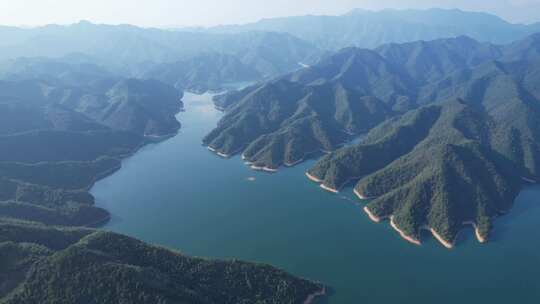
178, 194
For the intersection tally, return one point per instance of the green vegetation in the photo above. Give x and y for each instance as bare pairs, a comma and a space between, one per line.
345, 95
441, 179
100, 267
452, 125
59, 134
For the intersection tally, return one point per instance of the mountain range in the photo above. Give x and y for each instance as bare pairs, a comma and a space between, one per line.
432, 116
451, 124
194, 60
57, 139
204, 59
371, 29
63, 126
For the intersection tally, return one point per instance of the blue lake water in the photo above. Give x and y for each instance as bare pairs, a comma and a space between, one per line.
178, 194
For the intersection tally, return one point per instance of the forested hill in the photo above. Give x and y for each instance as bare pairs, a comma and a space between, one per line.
64, 125
57, 138
459, 160
42, 264
318, 108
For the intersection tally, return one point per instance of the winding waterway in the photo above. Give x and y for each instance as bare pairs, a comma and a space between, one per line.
179, 194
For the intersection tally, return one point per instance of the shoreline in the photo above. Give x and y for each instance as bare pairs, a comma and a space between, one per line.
218, 153
408, 238
223, 155
246, 161
479, 237
372, 216
359, 195
445, 243
159, 138
313, 178
437, 236
325, 187
266, 169
315, 295
255, 167
148, 139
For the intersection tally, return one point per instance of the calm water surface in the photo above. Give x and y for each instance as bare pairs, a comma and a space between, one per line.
178, 194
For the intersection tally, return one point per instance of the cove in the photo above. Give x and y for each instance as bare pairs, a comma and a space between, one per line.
180, 195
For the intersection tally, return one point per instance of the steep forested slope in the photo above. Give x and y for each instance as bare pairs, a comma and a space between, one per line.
56, 139
51, 265
452, 129
347, 94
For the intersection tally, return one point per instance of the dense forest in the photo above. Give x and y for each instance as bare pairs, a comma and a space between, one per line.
75, 265
452, 126
63, 126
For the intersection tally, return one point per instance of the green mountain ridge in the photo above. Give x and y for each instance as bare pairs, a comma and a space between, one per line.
439, 116
365, 87
38, 259
59, 134
436, 169
58, 139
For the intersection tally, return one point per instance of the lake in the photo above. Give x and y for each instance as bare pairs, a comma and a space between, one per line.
179, 194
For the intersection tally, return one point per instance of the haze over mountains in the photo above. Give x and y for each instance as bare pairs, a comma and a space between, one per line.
139, 52
370, 29
244, 52
449, 126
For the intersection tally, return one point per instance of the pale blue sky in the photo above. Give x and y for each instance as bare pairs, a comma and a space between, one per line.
168, 13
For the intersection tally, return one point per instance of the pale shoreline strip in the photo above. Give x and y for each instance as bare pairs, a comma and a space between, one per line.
218, 153
408, 238
223, 155
313, 178
266, 169
441, 240
315, 295
372, 216
359, 195
479, 237
325, 187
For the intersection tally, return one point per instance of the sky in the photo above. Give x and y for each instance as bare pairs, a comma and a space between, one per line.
177, 13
